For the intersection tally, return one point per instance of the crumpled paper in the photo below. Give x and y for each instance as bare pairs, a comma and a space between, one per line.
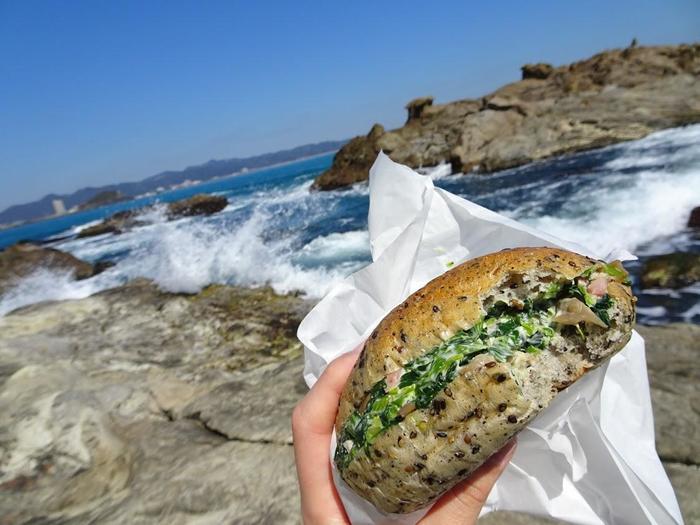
590, 457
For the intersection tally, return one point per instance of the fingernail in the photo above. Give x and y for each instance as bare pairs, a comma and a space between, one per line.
358, 348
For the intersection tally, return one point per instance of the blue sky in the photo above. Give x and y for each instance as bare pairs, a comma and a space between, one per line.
97, 92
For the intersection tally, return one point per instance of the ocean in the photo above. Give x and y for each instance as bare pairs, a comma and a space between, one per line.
637, 196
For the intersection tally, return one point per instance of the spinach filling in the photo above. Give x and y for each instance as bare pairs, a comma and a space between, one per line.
502, 332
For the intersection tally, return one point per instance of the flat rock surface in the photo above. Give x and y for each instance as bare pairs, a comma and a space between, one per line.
137, 406
673, 361
614, 96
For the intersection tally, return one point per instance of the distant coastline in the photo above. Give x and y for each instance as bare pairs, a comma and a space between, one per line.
75, 209
45, 207
237, 173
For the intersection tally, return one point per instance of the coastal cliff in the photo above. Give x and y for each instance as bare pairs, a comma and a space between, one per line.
614, 96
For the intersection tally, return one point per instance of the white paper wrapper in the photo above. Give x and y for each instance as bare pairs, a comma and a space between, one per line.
590, 457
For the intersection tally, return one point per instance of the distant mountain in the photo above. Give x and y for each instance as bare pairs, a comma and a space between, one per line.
201, 172
103, 198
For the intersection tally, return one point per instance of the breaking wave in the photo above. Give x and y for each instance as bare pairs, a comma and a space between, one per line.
188, 257
46, 285
274, 231
260, 238
627, 215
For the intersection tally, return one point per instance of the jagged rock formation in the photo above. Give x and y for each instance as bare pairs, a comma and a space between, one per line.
673, 270
614, 96
20, 260
200, 204
119, 222
694, 219
539, 71
416, 106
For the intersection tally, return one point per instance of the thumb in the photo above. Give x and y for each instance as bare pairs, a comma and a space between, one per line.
462, 504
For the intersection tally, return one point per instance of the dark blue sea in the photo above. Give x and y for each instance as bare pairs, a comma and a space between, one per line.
636, 196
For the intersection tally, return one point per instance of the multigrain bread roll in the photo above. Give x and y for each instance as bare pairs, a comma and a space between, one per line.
450, 375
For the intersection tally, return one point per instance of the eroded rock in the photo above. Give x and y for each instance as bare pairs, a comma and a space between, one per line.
674, 270
416, 106
201, 204
686, 481
694, 219
20, 260
614, 96
539, 71
351, 164
62, 452
138, 406
120, 222
673, 361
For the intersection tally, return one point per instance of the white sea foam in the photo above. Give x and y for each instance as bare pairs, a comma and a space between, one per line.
654, 205
188, 256
185, 258
47, 285
442, 170
80, 227
651, 311
652, 315
336, 247
678, 137
664, 292
95, 248
234, 206
693, 311
153, 214
627, 211
622, 210
650, 151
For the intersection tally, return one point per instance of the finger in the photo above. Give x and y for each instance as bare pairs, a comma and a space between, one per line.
316, 413
462, 504
312, 426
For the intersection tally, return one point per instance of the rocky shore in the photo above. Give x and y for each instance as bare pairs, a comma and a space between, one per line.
200, 204
138, 406
20, 260
135, 406
614, 96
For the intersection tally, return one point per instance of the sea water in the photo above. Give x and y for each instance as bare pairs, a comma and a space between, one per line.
275, 231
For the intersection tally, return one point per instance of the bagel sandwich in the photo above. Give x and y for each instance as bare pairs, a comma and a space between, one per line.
454, 372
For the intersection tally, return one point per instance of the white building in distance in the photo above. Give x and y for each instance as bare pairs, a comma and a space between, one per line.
58, 207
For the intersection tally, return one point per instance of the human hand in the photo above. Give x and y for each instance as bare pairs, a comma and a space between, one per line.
312, 427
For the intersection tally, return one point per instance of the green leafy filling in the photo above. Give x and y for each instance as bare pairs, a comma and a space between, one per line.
579, 291
602, 308
502, 332
614, 270
500, 335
